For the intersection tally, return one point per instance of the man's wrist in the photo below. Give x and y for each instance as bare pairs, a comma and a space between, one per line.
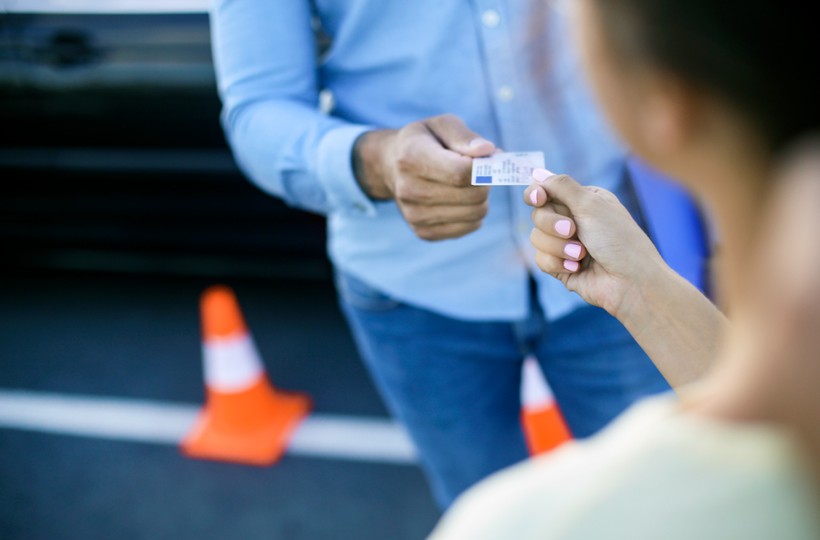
369, 165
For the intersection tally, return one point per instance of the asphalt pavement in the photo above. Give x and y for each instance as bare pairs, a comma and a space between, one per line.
137, 338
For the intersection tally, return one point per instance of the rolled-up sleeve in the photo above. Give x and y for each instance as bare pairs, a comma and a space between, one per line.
266, 67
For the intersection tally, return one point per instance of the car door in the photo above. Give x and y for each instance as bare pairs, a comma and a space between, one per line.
112, 74
111, 151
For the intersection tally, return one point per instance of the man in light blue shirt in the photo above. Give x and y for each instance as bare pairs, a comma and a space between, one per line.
436, 277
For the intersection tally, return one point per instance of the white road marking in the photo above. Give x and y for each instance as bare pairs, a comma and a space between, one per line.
319, 435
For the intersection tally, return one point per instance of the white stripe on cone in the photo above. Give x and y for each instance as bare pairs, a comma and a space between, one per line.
535, 392
232, 364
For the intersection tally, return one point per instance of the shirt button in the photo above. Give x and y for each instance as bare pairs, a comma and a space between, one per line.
506, 93
490, 18
360, 208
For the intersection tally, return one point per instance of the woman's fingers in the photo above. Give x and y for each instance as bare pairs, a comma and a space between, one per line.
535, 196
556, 255
555, 252
548, 215
549, 221
557, 247
554, 265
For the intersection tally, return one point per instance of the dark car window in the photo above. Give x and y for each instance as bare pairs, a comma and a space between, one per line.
112, 153
120, 75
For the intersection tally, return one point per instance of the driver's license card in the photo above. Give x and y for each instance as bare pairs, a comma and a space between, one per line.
506, 168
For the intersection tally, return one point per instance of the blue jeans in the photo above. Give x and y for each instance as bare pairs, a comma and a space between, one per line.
455, 384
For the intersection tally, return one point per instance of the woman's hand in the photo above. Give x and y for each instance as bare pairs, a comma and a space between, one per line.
587, 239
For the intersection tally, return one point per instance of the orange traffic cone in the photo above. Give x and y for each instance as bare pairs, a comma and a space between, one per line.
245, 419
544, 426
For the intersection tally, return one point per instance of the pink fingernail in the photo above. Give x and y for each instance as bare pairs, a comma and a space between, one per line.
573, 250
572, 266
539, 175
478, 142
534, 197
563, 227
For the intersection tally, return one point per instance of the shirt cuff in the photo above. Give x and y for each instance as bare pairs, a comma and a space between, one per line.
335, 172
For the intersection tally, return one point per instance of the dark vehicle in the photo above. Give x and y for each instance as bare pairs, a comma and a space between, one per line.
111, 152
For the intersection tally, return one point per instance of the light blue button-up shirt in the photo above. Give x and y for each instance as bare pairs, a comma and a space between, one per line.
504, 66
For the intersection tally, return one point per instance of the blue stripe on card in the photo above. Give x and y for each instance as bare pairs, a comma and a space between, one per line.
483, 179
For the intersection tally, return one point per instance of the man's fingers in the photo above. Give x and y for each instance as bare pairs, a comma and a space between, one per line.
431, 216
424, 157
454, 134
441, 149
412, 190
446, 231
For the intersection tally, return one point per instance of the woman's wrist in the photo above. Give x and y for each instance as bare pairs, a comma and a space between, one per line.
643, 294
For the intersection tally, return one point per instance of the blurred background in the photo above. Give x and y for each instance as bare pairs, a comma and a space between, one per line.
121, 203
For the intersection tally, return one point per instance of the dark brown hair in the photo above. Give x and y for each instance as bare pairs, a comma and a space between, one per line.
759, 56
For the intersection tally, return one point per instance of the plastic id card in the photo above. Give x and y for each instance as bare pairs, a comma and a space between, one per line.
506, 168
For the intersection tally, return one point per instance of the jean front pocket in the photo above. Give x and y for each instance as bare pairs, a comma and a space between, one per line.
360, 295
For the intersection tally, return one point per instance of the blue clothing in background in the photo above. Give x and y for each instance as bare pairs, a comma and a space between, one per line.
504, 67
461, 404
442, 326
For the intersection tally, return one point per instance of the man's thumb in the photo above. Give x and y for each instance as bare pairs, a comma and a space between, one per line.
456, 136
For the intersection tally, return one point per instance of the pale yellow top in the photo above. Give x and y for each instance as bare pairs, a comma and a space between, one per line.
655, 473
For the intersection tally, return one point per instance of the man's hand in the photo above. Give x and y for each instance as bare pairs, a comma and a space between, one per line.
425, 167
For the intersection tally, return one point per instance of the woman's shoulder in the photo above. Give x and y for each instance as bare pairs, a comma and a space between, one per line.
655, 472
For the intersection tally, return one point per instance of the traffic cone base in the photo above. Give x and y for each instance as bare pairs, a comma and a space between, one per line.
245, 418
256, 429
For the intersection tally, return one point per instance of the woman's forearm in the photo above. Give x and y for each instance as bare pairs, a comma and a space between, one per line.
678, 327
